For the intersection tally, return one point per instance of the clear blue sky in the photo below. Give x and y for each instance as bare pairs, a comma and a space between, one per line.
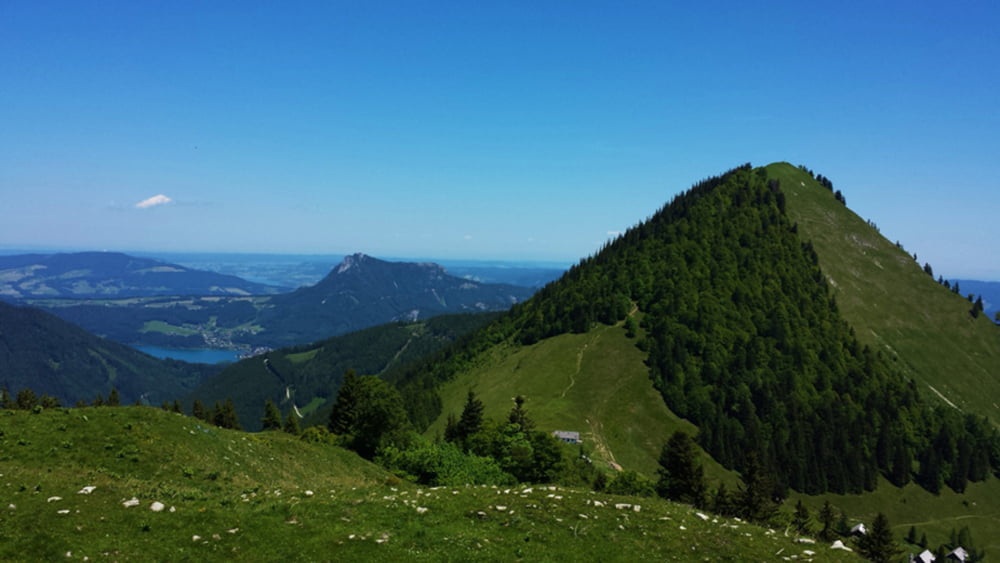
494, 130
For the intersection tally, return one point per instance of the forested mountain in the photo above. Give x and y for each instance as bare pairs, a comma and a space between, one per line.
85, 275
43, 353
303, 379
359, 293
363, 291
745, 339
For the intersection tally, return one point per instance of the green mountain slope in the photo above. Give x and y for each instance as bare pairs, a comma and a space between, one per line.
893, 305
227, 495
304, 378
53, 357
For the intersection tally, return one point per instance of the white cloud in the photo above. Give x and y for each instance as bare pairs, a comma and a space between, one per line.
158, 199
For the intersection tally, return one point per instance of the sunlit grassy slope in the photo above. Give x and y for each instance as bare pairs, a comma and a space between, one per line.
228, 495
893, 305
594, 383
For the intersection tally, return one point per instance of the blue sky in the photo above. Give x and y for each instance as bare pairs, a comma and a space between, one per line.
504, 130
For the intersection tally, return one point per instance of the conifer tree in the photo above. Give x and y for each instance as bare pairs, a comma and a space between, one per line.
878, 545
471, 420
519, 416
98, 401
755, 497
6, 402
292, 424
827, 517
232, 421
801, 519
272, 416
26, 399
176, 407
114, 399
346, 406
49, 402
681, 476
198, 411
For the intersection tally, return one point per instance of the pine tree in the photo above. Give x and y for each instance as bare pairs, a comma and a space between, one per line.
198, 411
826, 518
801, 519
292, 424
471, 420
681, 476
911, 536
519, 416
114, 399
272, 416
345, 408
98, 401
26, 399
6, 401
755, 497
232, 421
878, 545
176, 407
49, 402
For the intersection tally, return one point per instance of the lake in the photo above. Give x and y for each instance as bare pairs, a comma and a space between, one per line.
198, 356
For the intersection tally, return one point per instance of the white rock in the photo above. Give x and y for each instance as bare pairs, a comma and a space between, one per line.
682, 527
157, 506
131, 502
195, 538
309, 493
421, 509
172, 509
636, 508
53, 499
840, 545
808, 552
232, 531
86, 490
500, 508
63, 512
623, 506
700, 515
11, 506
805, 540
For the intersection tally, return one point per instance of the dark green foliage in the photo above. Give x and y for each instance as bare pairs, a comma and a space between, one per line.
224, 415
756, 498
519, 416
443, 464
6, 401
369, 412
923, 540
681, 477
316, 370
98, 401
272, 417
631, 483
26, 399
49, 402
977, 307
345, 408
176, 407
471, 421
198, 411
292, 424
114, 399
879, 545
801, 520
723, 502
61, 360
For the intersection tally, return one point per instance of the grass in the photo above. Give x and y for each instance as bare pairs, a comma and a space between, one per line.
893, 305
269, 497
595, 383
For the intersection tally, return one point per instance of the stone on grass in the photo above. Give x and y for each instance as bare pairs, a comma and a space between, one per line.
53, 499
157, 506
131, 502
86, 490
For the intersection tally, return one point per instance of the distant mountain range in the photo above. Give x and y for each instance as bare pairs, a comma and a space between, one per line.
90, 275
53, 357
358, 293
990, 290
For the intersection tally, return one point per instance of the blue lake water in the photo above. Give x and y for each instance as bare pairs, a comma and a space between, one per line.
198, 356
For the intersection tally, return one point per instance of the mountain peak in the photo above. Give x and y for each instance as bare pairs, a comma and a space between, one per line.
351, 261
